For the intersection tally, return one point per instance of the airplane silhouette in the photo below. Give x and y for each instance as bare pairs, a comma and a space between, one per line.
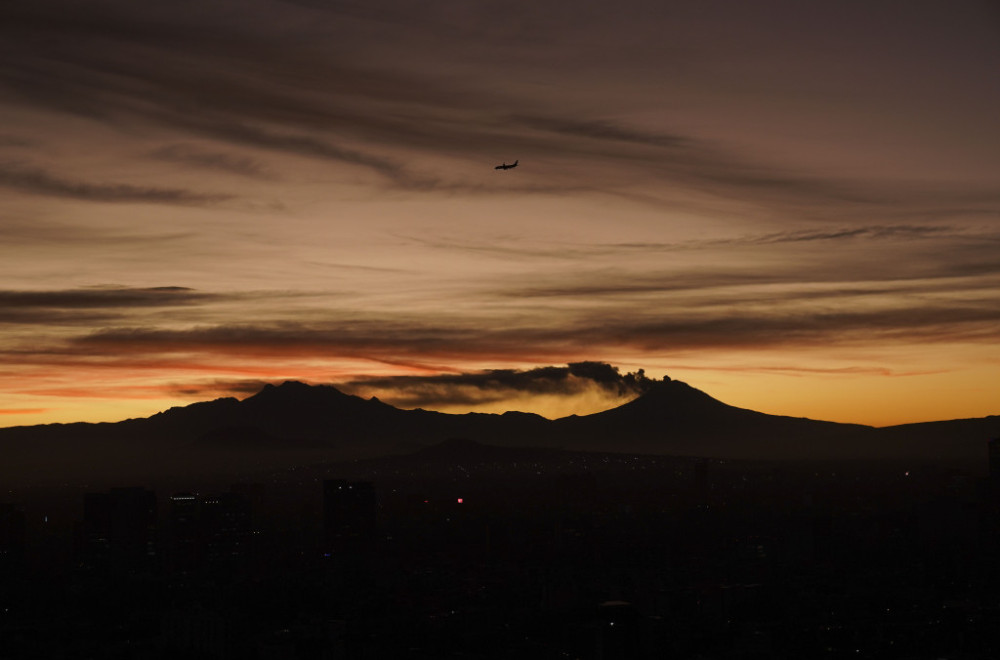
505, 166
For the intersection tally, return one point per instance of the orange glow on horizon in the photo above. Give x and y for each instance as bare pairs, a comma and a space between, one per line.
317, 201
876, 396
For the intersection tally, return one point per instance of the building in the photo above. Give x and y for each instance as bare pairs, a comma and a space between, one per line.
209, 531
12, 537
227, 530
119, 529
994, 452
350, 514
184, 532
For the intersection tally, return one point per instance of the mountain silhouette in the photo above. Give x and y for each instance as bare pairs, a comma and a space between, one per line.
295, 424
674, 415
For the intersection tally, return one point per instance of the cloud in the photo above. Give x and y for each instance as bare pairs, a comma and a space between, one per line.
22, 411
188, 155
16, 141
968, 322
55, 317
515, 249
245, 87
384, 336
94, 305
104, 297
789, 370
775, 268
215, 388
743, 287
288, 80
40, 182
872, 232
886, 235
584, 330
497, 385
61, 234
586, 383
601, 130
305, 145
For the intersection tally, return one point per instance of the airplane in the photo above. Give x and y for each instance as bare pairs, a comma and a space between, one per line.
505, 166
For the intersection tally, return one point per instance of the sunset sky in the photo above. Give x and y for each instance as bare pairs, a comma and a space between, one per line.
793, 206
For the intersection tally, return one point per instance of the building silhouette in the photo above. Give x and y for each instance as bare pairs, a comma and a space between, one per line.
994, 454
209, 531
185, 546
350, 513
618, 631
227, 529
12, 537
119, 529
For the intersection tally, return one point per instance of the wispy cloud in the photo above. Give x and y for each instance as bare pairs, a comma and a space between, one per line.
47, 232
105, 297
304, 145
601, 130
887, 235
16, 141
494, 385
805, 372
685, 184
214, 388
579, 388
213, 160
437, 390
745, 286
93, 305
56, 318
290, 92
872, 232
579, 332
22, 411
40, 182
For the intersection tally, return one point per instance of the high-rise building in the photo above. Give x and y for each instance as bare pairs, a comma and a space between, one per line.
12, 537
994, 451
208, 530
350, 512
119, 528
226, 527
619, 631
185, 545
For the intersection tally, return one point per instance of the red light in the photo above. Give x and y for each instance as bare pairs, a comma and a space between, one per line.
460, 500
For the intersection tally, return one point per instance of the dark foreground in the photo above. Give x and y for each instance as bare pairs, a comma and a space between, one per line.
474, 554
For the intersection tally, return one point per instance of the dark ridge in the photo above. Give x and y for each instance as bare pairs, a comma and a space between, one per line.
463, 449
454, 448
296, 390
673, 398
296, 424
239, 437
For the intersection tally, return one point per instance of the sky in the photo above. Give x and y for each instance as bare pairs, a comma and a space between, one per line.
792, 206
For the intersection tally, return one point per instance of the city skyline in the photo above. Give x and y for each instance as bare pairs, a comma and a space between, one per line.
792, 208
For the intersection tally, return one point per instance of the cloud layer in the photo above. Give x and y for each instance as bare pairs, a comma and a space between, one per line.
493, 386
205, 196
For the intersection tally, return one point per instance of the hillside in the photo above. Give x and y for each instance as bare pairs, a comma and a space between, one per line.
296, 424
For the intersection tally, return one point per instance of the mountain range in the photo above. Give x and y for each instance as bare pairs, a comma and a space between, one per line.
298, 424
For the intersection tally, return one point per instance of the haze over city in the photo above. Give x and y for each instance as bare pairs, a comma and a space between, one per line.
791, 206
